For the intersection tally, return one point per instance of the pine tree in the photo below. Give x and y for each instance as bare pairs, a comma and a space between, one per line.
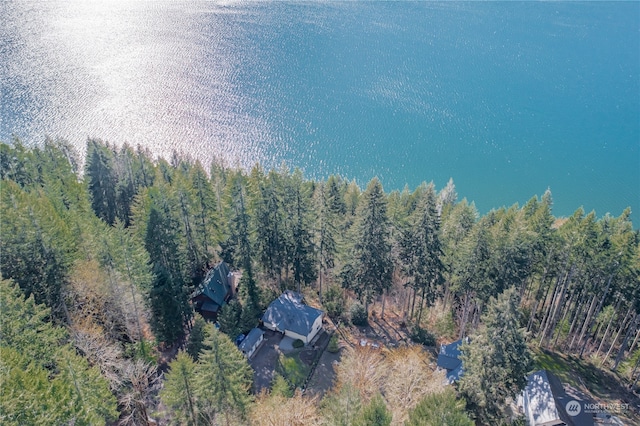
440, 409
342, 407
280, 386
447, 197
301, 253
472, 266
102, 180
375, 413
43, 380
371, 266
163, 240
326, 232
127, 186
270, 223
28, 397
251, 310
198, 335
38, 248
420, 250
180, 392
196, 255
167, 298
17, 164
229, 318
496, 360
25, 326
224, 378
204, 210
236, 248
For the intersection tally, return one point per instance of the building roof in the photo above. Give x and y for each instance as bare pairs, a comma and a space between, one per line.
288, 313
449, 359
252, 338
448, 363
452, 350
449, 356
546, 399
215, 286
455, 374
539, 395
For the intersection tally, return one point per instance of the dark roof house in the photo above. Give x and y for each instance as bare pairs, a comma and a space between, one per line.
214, 291
289, 315
449, 359
545, 403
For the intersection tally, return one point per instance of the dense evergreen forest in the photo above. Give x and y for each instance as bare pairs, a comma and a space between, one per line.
99, 261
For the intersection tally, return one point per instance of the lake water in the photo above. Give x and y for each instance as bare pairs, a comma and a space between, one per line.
507, 98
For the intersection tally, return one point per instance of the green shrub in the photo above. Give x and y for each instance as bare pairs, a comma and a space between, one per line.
279, 386
298, 343
333, 344
422, 336
358, 314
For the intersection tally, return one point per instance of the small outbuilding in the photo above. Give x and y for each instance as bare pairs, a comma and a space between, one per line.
252, 342
288, 314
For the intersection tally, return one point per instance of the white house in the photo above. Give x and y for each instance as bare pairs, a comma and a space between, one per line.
252, 342
289, 315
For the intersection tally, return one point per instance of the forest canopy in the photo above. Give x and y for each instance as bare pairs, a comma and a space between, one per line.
105, 255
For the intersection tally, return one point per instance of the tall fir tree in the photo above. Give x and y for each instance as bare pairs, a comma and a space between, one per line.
43, 380
439, 409
102, 180
38, 247
224, 378
163, 240
375, 413
370, 271
326, 233
229, 318
270, 223
236, 248
205, 210
301, 252
421, 251
251, 309
472, 265
496, 361
180, 392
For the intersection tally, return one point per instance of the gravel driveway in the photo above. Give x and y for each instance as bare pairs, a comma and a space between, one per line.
264, 361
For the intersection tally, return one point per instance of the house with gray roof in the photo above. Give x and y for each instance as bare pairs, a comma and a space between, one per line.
449, 360
288, 314
214, 291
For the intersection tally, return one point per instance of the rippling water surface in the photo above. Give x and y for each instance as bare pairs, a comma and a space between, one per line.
506, 98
